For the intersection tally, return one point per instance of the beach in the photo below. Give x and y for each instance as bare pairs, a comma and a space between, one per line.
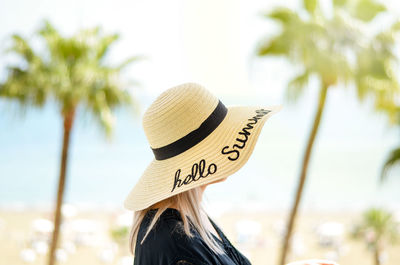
86, 237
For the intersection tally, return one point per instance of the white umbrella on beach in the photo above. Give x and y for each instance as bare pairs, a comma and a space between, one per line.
82, 225
107, 256
42, 225
279, 227
69, 246
84, 231
126, 260
108, 252
332, 255
248, 231
28, 255
298, 245
41, 229
61, 255
330, 233
41, 247
69, 210
124, 219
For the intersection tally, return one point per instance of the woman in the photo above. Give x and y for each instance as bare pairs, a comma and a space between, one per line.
196, 141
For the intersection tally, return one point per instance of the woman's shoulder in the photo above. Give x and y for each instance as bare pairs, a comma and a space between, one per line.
169, 229
169, 226
168, 243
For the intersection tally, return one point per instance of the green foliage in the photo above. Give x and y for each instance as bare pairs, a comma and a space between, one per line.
310, 5
72, 70
284, 15
337, 50
366, 10
338, 3
392, 160
296, 86
376, 228
119, 234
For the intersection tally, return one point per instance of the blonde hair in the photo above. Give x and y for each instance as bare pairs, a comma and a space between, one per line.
189, 205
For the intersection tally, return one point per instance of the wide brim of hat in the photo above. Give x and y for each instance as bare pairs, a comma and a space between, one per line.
157, 181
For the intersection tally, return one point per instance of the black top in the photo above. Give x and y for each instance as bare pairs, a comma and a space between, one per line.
167, 244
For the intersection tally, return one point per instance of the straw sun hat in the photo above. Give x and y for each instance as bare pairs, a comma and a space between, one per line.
196, 140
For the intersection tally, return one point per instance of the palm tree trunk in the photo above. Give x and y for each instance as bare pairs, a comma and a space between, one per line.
68, 121
303, 175
376, 256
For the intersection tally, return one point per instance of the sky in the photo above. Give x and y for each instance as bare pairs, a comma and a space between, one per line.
211, 42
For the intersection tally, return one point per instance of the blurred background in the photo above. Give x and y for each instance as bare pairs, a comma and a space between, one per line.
76, 76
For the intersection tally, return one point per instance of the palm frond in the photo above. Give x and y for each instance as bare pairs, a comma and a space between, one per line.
366, 10
72, 71
310, 5
21, 47
276, 46
392, 160
297, 86
283, 15
104, 45
339, 3
130, 60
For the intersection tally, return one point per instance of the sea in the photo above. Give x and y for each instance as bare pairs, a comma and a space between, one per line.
344, 171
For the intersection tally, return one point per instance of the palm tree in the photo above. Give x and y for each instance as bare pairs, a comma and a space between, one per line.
73, 72
393, 157
377, 228
339, 51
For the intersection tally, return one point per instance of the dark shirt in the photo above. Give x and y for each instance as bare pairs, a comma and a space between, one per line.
167, 244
